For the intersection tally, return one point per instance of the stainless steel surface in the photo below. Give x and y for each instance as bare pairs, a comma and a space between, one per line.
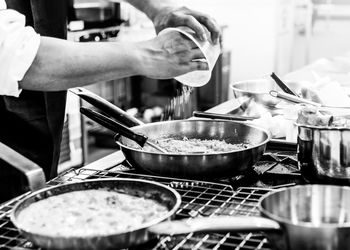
143, 188
312, 217
258, 90
198, 166
324, 153
199, 199
34, 173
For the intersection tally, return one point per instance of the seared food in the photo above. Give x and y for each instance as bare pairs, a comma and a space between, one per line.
186, 146
89, 213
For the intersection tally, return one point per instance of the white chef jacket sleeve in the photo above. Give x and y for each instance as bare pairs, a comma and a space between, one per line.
18, 47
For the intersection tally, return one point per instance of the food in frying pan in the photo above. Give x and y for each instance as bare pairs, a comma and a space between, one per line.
310, 115
89, 213
186, 145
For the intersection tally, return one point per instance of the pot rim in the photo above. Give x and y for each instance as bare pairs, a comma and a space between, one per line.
340, 128
285, 221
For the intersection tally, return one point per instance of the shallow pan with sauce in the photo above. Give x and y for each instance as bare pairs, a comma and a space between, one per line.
139, 234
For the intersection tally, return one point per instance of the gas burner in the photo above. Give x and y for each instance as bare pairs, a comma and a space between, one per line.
273, 169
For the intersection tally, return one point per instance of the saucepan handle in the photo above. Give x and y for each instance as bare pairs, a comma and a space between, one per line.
215, 224
106, 107
114, 126
223, 116
34, 173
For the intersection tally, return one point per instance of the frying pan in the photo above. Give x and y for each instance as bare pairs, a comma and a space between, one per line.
302, 217
142, 188
194, 166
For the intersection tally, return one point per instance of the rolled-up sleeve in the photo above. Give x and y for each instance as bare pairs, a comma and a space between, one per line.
18, 47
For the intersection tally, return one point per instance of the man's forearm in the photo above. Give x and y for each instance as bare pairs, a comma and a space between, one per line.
151, 7
61, 64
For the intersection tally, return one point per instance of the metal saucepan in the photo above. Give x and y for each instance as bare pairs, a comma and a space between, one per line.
302, 217
196, 166
324, 154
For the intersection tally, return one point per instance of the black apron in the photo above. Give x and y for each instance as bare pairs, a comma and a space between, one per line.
32, 124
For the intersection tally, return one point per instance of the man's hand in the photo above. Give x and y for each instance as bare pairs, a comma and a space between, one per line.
167, 56
182, 16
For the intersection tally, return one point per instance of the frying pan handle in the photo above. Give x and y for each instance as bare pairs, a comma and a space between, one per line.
34, 173
223, 116
215, 224
114, 126
107, 107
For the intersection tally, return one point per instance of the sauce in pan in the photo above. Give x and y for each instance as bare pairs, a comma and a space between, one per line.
89, 213
186, 146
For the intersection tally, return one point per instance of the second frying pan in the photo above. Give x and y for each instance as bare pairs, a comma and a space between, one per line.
197, 166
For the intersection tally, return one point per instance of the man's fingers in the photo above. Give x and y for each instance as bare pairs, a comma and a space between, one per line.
193, 23
188, 56
196, 54
177, 42
212, 27
198, 65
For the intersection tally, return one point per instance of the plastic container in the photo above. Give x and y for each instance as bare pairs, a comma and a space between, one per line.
210, 51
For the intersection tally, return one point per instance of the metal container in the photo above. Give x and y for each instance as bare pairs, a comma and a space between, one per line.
259, 91
324, 154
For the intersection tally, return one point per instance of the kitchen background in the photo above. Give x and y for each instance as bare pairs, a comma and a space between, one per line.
259, 37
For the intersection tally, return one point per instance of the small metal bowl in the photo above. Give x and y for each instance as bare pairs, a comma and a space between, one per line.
259, 91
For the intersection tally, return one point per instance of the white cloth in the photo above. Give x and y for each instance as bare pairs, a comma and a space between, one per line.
18, 47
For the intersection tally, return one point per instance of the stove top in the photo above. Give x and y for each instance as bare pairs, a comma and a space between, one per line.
231, 196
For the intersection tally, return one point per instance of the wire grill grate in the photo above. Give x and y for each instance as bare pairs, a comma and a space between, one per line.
198, 199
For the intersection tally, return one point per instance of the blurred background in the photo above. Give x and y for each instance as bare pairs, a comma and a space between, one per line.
259, 37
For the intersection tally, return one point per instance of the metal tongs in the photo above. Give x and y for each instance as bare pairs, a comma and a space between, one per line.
119, 128
293, 98
288, 94
282, 85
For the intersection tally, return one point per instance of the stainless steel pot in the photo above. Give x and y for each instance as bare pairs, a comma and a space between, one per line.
324, 154
302, 217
